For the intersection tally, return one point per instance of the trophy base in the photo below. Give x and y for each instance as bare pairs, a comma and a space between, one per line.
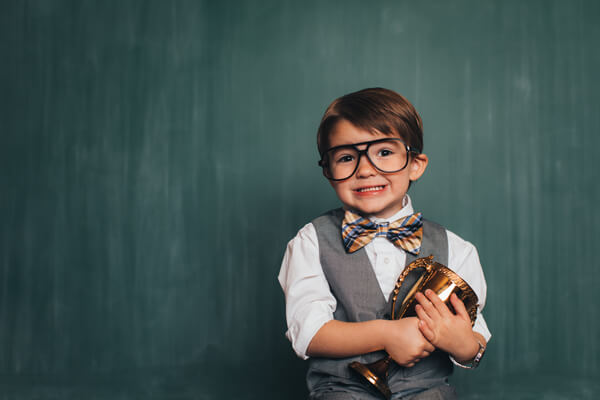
379, 382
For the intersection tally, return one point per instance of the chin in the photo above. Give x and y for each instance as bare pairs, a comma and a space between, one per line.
375, 211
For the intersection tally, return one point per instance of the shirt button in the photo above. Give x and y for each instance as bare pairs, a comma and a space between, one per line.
386, 260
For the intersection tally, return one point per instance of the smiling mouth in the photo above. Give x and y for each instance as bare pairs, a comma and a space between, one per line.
370, 189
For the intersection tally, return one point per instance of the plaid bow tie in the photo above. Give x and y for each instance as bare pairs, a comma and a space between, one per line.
406, 233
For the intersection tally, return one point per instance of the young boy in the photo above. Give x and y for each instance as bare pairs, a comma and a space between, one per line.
337, 282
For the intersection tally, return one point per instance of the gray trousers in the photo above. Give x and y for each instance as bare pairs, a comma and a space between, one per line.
442, 392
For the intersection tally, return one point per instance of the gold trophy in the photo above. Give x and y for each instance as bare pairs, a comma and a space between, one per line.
437, 277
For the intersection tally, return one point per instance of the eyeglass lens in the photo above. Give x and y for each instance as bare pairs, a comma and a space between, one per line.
386, 155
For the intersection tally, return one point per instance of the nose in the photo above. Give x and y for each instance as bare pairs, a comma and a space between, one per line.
365, 167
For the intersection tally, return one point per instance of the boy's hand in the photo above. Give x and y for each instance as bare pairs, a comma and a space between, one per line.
445, 330
405, 343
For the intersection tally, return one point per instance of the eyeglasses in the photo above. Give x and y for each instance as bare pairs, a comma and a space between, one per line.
386, 155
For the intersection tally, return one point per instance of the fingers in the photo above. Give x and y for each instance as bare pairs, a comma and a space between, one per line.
425, 329
429, 335
419, 358
459, 307
439, 305
429, 348
416, 359
427, 304
422, 315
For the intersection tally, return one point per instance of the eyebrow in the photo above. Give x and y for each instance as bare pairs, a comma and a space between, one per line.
367, 142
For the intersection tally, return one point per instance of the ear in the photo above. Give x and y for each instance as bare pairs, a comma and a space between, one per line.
417, 166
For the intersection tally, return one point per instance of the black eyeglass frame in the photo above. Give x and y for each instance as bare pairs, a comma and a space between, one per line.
323, 164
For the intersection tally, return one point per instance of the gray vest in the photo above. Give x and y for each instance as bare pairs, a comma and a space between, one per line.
359, 298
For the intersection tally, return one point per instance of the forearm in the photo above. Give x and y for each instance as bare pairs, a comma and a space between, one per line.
339, 339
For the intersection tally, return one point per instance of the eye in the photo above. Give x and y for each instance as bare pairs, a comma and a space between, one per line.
346, 158
384, 153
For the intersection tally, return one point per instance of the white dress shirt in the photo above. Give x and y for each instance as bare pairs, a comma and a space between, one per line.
310, 303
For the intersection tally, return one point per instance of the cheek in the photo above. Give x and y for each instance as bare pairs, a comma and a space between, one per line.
342, 190
339, 188
401, 179
335, 186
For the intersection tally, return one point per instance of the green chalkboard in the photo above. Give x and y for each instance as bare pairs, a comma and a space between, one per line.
156, 157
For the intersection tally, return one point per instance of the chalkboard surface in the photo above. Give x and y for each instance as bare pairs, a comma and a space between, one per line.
156, 157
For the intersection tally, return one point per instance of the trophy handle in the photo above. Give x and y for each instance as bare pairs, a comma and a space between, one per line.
425, 262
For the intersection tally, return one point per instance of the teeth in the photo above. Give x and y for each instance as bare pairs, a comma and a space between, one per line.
370, 189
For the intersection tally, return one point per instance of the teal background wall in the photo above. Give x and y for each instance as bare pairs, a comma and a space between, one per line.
156, 157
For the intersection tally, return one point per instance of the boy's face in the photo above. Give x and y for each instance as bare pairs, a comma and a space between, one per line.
370, 191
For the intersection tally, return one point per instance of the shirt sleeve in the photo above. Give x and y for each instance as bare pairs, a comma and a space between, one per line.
464, 260
309, 303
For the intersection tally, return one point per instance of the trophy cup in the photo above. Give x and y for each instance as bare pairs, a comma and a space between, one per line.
437, 277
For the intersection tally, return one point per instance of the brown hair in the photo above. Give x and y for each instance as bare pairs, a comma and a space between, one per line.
375, 110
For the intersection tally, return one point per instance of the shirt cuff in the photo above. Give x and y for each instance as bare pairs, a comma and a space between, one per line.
301, 336
481, 327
